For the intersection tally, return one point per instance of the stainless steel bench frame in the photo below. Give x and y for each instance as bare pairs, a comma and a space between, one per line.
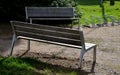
61, 39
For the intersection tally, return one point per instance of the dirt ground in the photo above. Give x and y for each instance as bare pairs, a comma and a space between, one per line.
108, 50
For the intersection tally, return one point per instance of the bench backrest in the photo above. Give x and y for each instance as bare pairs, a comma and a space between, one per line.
48, 12
49, 33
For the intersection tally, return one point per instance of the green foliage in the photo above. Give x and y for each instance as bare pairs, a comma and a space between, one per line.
78, 12
63, 3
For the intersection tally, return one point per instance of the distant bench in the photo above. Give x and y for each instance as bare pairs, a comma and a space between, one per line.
53, 35
48, 14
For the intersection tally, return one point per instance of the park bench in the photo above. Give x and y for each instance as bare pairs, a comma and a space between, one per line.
57, 15
53, 35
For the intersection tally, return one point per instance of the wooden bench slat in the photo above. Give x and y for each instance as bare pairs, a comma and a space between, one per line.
49, 38
46, 27
48, 32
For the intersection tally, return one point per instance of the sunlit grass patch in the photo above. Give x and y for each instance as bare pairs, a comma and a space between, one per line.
13, 66
29, 66
92, 8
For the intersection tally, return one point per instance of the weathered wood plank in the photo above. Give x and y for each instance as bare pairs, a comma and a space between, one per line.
48, 32
49, 12
49, 38
45, 27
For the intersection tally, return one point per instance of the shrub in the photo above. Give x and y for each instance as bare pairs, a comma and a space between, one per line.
63, 3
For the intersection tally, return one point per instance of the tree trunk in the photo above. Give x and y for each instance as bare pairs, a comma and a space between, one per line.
112, 2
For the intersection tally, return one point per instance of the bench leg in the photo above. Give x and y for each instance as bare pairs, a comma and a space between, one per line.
81, 58
12, 45
94, 59
30, 21
78, 24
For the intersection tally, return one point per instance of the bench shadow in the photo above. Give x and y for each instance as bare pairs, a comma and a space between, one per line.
53, 68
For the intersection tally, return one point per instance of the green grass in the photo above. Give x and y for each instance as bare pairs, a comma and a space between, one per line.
92, 8
29, 66
13, 66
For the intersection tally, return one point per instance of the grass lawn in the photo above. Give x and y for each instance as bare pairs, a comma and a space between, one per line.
28, 66
92, 13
